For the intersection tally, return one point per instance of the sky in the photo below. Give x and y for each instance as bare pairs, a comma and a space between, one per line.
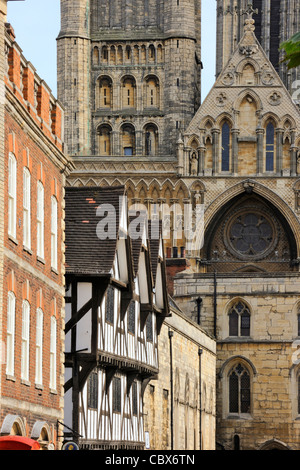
37, 23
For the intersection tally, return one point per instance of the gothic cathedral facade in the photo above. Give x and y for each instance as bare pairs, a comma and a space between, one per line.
129, 79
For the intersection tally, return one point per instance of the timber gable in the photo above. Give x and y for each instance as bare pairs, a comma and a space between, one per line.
112, 322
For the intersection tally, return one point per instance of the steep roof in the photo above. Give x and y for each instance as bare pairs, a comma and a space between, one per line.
265, 86
86, 253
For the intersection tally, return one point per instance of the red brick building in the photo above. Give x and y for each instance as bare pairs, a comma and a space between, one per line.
33, 171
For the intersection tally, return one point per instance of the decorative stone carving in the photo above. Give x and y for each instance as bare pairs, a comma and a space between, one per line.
267, 78
221, 99
275, 98
228, 79
249, 49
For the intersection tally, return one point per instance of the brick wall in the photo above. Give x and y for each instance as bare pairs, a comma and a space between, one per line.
33, 134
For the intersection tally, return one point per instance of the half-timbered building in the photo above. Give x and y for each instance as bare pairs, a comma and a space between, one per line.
116, 302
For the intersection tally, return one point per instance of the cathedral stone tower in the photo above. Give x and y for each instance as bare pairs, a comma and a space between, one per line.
246, 270
128, 74
275, 22
73, 82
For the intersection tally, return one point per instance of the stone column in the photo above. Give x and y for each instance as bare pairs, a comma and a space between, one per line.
216, 149
260, 150
180, 163
139, 143
279, 144
201, 152
235, 150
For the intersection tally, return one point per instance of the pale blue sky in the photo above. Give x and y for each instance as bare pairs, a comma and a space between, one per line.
37, 24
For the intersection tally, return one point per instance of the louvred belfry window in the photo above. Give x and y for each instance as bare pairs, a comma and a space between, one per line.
239, 390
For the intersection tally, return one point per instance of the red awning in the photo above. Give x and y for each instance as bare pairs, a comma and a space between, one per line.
18, 443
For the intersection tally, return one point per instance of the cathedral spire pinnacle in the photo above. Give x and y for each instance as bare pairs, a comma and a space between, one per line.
249, 21
249, 11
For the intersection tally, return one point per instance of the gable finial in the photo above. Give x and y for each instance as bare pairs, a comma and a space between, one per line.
249, 11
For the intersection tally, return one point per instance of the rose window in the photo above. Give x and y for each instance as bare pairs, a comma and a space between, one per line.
251, 235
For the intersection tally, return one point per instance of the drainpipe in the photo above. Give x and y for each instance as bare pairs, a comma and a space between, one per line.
200, 351
171, 333
215, 304
199, 303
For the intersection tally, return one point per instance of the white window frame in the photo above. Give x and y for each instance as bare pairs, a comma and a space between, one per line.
12, 196
53, 366
10, 345
39, 347
54, 215
25, 340
40, 220
26, 208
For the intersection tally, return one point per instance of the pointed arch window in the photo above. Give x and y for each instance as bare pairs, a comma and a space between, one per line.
270, 144
239, 390
225, 162
239, 320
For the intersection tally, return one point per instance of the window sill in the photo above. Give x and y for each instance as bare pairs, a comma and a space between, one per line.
12, 378
245, 416
28, 250
13, 239
54, 271
236, 339
40, 260
25, 382
53, 391
39, 386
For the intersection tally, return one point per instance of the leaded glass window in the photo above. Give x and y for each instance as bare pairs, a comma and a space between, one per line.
109, 311
131, 317
239, 390
270, 139
225, 147
117, 394
93, 391
149, 328
239, 320
134, 399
